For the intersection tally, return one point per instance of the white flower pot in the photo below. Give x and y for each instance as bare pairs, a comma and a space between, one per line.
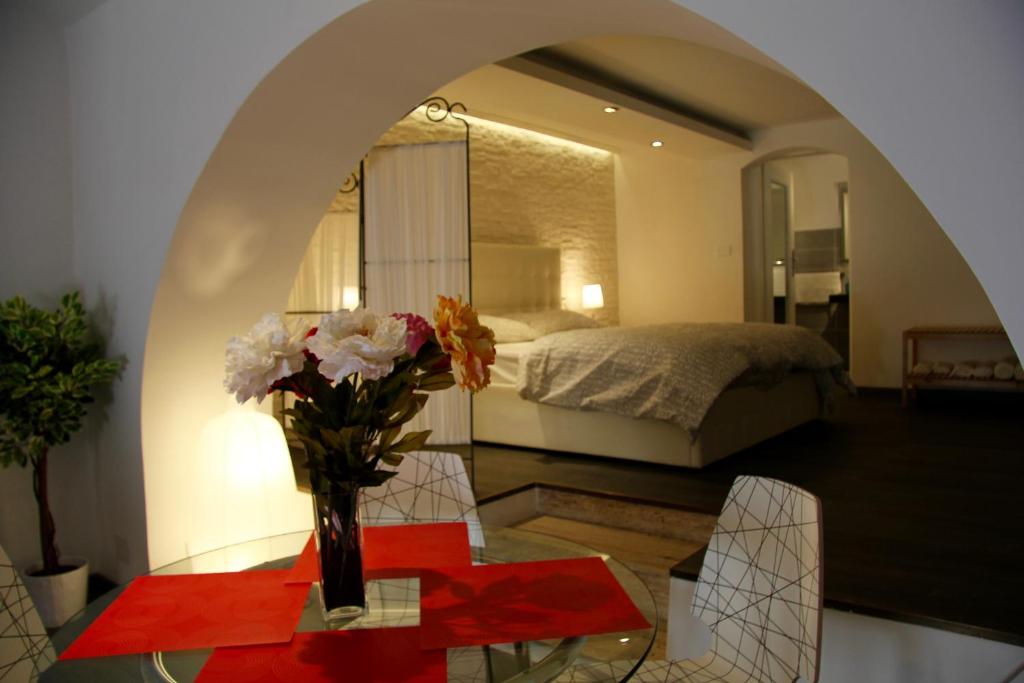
61, 596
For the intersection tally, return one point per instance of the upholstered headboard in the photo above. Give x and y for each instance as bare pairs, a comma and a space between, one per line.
510, 277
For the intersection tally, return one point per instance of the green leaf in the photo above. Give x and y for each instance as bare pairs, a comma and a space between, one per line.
333, 439
393, 459
313, 447
411, 442
49, 368
437, 382
388, 436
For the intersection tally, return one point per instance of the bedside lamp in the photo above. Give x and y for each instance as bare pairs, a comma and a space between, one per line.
350, 298
593, 297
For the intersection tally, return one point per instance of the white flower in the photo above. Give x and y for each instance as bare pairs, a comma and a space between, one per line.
272, 350
357, 341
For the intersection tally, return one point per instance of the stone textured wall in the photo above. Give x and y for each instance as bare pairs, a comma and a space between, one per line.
530, 188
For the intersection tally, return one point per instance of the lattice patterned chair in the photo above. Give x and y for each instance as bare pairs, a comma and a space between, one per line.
759, 592
25, 649
430, 486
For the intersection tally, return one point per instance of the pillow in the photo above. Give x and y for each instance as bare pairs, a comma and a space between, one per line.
554, 320
506, 330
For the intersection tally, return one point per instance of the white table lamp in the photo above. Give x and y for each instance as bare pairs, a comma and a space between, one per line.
243, 485
350, 298
593, 297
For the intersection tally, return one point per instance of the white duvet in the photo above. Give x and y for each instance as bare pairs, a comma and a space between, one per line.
670, 372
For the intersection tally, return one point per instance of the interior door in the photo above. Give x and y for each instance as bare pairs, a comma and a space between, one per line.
777, 251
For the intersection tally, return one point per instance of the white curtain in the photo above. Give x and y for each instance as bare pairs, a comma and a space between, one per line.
417, 246
328, 278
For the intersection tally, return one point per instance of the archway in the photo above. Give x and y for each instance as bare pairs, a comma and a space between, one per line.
243, 229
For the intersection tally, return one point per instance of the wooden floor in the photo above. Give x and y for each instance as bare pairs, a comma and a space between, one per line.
922, 507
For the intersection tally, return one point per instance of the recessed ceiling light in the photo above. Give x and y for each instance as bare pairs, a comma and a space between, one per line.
610, 109
656, 143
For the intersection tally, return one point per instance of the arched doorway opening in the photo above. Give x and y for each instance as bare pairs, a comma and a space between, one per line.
242, 232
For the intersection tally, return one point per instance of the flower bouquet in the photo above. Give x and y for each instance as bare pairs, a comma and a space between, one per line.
357, 378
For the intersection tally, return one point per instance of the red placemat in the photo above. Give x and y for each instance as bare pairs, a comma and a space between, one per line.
305, 570
192, 611
391, 552
505, 603
380, 655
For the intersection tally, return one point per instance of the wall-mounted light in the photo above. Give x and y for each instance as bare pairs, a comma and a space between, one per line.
593, 297
350, 298
609, 109
657, 143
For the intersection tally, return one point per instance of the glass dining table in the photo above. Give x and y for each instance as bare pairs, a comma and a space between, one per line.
393, 603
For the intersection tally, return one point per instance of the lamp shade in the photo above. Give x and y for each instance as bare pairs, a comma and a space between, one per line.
350, 298
243, 485
593, 297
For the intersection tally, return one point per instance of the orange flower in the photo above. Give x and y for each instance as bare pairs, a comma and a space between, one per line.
470, 344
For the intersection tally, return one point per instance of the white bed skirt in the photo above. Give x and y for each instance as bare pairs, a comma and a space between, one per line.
739, 418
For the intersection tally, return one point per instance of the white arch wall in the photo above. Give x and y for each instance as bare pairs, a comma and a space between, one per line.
241, 232
154, 85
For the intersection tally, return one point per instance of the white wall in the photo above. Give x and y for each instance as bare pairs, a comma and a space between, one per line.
937, 87
680, 252
674, 234
813, 188
155, 86
36, 260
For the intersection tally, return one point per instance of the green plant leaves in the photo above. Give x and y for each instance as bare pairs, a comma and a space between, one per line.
49, 368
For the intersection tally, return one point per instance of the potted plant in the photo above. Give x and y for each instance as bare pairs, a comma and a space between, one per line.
49, 367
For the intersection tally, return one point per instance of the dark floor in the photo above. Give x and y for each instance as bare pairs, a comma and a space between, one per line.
922, 507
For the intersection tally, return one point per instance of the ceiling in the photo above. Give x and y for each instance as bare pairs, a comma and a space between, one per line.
710, 84
62, 12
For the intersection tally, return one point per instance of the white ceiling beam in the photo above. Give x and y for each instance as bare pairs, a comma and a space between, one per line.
565, 74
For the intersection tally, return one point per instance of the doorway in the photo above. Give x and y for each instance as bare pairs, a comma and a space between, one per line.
776, 228
796, 244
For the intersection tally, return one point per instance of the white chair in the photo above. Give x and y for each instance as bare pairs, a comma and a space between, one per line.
431, 486
25, 649
759, 592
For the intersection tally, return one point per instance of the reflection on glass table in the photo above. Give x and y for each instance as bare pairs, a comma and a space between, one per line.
391, 603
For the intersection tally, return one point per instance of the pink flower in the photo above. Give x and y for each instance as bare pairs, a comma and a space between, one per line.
418, 331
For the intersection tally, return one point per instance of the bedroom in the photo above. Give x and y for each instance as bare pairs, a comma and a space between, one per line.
662, 231
134, 138
678, 256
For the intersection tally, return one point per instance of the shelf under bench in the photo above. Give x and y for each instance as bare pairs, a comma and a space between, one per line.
914, 335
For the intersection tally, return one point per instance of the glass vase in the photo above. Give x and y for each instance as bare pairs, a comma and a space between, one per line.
340, 554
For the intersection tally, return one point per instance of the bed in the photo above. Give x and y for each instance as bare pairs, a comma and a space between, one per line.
737, 418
